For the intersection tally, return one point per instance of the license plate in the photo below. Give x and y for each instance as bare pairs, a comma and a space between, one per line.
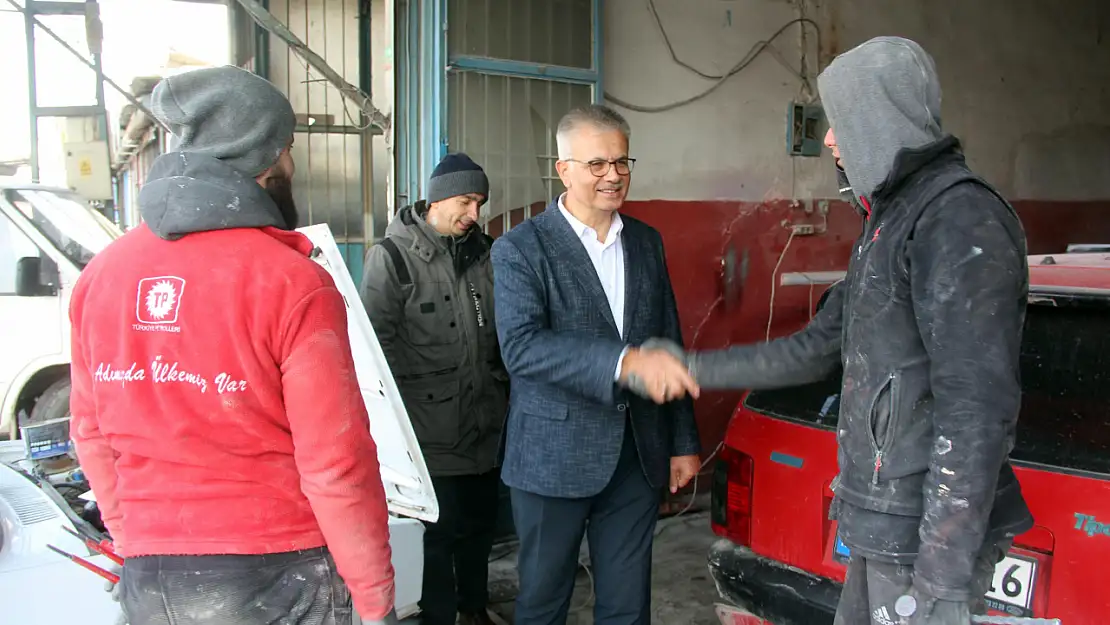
1012, 588
840, 551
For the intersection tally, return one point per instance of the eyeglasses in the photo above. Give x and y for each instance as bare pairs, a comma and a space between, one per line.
599, 167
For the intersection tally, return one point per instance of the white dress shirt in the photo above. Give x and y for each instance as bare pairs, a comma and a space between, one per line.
608, 260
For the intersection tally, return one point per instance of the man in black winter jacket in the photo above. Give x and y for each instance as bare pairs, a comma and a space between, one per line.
927, 326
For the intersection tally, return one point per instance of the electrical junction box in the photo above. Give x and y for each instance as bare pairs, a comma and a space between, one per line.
803, 129
88, 171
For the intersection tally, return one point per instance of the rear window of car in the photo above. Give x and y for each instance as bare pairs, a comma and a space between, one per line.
1065, 374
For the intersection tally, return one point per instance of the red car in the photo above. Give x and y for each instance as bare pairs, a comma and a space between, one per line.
779, 559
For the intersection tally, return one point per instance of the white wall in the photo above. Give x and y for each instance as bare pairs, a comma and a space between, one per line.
1026, 86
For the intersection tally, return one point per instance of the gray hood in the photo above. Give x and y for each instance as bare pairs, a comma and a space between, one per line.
880, 97
188, 192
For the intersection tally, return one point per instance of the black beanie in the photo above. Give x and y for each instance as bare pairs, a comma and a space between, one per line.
227, 113
457, 175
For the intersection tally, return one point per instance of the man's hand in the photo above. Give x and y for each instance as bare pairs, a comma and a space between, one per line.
113, 588
110, 586
683, 469
686, 358
656, 375
666, 345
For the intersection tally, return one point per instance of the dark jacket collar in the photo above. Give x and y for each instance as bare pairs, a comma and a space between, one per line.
411, 228
909, 162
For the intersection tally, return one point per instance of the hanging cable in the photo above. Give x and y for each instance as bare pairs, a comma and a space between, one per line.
758, 48
774, 275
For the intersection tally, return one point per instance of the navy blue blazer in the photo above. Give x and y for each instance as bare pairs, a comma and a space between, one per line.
560, 345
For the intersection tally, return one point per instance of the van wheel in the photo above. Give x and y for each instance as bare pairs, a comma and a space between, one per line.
52, 404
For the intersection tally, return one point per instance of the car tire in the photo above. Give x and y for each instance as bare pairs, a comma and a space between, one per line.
52, 404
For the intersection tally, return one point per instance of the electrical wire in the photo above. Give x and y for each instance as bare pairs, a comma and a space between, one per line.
674, 55
590, 574
748, 58
774, 275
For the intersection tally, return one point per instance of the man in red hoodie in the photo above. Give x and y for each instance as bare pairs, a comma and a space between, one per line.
215, 405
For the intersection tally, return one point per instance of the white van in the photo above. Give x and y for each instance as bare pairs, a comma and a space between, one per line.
46, 237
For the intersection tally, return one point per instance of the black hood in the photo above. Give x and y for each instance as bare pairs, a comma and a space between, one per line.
188, 192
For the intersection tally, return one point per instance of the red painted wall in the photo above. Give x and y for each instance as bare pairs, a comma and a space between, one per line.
697, 236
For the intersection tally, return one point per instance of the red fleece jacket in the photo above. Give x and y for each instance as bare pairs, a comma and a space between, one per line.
216, 409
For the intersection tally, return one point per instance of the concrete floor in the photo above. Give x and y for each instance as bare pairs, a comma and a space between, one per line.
682, 591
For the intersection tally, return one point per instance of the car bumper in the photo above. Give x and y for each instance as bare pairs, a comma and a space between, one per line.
773, 591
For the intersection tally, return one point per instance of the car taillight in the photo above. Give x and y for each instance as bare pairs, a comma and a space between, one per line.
731, 511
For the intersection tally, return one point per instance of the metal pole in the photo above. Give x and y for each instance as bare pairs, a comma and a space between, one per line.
32, 22
366, 73
32, 86
94, 34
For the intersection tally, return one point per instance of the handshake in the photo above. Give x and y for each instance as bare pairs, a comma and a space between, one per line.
659, 370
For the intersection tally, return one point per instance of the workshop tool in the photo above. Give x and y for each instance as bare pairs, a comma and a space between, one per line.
103, 547
108, 575
1013, 620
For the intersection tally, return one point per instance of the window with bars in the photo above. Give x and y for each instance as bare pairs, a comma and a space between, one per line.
548, 32
507, 124
330, 148
513, 69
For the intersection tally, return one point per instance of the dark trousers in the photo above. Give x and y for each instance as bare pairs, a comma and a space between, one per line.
457, 547
619, 523
297, 588
872, 588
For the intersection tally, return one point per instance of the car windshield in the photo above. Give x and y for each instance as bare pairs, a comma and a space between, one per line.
66, 220
1065, 374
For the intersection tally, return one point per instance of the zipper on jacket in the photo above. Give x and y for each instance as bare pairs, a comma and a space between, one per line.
891, 425
871, 423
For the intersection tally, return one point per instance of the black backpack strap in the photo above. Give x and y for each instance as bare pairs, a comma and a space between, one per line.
399, 265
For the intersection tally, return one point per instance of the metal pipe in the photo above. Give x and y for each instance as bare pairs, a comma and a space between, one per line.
807, 278
32, 86
266, 20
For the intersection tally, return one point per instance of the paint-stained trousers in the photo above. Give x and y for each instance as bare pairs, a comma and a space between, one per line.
872, 588
296, 588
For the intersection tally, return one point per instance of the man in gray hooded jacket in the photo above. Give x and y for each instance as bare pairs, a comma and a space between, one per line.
927, 326
428, 289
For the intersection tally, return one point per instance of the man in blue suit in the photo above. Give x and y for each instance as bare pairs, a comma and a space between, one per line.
577, 289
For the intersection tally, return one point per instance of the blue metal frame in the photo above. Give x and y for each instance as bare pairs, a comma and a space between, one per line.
406, 122
433, 137
522, 69
598, 25
422, 86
